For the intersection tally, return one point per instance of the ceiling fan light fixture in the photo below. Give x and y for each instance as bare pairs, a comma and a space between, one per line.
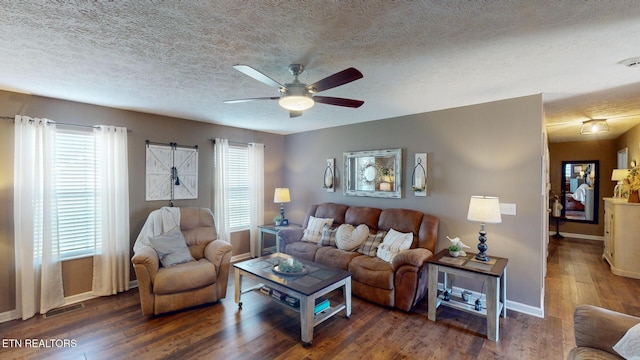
296, 102
594, 126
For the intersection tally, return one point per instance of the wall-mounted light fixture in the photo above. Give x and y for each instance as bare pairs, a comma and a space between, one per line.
594, 126
419, 176
328, 175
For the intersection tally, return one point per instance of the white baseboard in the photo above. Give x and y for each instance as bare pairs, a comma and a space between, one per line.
579, 236
240, 257
8, 316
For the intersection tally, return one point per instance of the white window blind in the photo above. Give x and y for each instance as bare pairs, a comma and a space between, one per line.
76, 190
238, 188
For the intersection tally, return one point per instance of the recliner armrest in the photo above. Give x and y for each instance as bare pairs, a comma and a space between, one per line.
215, 252
600, 328
148, 258
416, 257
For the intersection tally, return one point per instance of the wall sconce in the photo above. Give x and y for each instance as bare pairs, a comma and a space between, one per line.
419, 176
328, 175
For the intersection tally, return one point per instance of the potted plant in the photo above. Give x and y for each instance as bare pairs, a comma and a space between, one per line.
454, 250
278, 220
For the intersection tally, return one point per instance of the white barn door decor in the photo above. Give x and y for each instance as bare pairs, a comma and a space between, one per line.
172, 172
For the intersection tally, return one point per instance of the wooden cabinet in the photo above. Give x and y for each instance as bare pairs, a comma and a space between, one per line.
622, 237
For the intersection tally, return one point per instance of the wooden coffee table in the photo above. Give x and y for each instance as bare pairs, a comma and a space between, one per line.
317, 280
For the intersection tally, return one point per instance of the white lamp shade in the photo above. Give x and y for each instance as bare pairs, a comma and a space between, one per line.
281, 195
619, 174
484, 209
296, 102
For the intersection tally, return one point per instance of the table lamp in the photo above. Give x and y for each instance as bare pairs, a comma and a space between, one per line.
281, 195
618, 175
484, 209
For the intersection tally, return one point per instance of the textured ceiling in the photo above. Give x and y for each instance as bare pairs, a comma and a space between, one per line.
175, 57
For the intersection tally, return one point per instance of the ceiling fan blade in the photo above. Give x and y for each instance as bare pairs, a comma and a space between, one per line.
337, 79
293, 113
338, 101
251, 99
249, 71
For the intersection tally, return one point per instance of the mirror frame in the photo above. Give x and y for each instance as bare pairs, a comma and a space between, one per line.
596, 193
354, 171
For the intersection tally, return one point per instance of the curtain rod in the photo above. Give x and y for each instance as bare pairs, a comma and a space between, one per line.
172, 144
234, 142
62, 124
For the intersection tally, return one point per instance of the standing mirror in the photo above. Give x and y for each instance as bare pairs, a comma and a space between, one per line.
579, 184
375, 173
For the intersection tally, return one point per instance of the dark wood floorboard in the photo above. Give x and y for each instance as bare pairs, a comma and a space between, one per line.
113, 327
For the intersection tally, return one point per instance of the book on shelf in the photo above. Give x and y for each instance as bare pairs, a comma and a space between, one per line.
322, 304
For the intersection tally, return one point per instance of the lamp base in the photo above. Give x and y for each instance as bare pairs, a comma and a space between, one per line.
482, 246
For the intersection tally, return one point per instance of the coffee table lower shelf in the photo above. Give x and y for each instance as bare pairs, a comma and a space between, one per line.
318, 318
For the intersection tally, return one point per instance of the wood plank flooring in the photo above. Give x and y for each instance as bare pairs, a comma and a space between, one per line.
113, 327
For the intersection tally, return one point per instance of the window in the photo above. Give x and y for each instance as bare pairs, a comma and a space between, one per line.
239, 214
75, 179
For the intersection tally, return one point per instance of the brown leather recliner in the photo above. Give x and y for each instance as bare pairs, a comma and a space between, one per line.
188, 284
597, 330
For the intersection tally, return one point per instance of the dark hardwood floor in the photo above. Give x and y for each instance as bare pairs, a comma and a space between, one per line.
113, 327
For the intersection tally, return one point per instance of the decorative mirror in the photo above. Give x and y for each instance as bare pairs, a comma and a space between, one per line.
375, 173
579, 188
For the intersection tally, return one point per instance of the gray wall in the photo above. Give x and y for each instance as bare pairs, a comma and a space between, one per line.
77, 273
488, 149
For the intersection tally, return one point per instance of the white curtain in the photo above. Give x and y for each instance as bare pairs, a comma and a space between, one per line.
221, 187
38, 267
256, 194
111, 259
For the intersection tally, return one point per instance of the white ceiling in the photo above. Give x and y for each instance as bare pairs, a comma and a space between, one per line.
175, 57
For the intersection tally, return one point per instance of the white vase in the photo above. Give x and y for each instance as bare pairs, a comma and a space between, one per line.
454, 253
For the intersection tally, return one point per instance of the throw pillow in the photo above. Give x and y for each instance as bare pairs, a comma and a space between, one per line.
629, 346
349, 238
328, 237
171, 248
393, 243
314, 229
370, 246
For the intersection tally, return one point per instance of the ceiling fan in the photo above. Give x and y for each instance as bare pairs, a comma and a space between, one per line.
296, 96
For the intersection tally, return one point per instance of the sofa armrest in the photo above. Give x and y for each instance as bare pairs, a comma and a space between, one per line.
416, 257
600, 328
290, 235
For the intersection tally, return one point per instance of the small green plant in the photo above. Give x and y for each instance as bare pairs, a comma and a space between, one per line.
454, 248
277, 219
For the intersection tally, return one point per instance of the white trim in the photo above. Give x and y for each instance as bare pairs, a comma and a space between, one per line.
240, 257
580, 236
8, 316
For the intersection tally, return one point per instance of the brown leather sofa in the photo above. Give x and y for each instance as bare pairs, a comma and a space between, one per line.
597, 330
188, 284
401, 283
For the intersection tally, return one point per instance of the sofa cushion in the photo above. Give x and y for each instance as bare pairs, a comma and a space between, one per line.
171, 248
349, 237
314, 229
336, 258
372, 271
393, 243
328, 237
184, 277
370, 246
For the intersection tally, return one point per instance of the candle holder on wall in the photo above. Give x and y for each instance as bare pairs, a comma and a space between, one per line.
419, 176
328, 176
